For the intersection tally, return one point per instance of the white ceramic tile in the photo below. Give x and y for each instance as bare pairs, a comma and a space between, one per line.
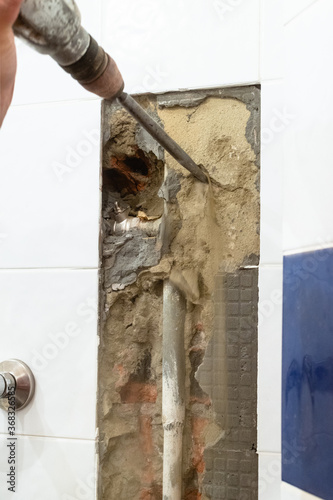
269, 476
272, 45
308, 156
49, 190
56, 469
295, 8
171, 44
40, 79
48, 320
269, 359
273, 125
289, 492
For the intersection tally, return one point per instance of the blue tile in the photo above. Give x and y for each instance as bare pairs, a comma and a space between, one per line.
307, 372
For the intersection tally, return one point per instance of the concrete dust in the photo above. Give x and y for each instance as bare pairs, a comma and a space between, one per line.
214, 136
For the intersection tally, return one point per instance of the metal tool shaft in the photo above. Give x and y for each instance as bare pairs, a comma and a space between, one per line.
54, 27
156, 131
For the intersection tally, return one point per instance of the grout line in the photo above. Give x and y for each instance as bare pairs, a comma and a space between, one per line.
305, 495
64, 101
157, 92
301, 12
248, 267
49, 269
272, 80
310, 248
214, 86
278, 453
276, 265
101, 26
92, 440
261, 37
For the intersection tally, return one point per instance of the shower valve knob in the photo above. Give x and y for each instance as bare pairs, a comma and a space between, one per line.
16, 379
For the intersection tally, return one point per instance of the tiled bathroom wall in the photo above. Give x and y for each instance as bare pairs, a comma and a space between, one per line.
50, 196
49, 230
270, 268
50, 208
296, 126
308, 240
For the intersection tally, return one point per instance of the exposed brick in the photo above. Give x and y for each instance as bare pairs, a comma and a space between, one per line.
137, 392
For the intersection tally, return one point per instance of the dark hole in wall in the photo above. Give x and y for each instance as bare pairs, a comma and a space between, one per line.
128, 174
136, 179
137, 165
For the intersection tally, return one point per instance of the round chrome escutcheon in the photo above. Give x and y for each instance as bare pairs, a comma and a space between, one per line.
24, 383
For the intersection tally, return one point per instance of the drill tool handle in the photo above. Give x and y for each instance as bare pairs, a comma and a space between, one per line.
54, 27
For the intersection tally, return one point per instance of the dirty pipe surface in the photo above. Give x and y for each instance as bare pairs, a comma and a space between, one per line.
161, 136
173, 390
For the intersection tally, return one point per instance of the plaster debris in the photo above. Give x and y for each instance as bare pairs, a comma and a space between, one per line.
205, 229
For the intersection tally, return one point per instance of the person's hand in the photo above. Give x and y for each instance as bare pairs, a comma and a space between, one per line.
9, 10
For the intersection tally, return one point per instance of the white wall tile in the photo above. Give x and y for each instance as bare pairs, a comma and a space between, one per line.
172, 44
56, 469
40, 79
273, 125
308, 156
289, 492
269, 359
269, 476
49, 320
295, 8
49, 190
272, 40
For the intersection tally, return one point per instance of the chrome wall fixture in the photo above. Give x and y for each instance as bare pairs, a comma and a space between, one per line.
15, 374
121, 222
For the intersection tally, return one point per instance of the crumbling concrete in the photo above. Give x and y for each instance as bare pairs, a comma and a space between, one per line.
205, 231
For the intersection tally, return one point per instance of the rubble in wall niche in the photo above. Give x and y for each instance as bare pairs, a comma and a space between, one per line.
203, 229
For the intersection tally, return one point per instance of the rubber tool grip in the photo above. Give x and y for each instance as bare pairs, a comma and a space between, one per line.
97, 72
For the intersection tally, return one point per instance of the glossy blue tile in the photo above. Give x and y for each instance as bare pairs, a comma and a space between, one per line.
307, 372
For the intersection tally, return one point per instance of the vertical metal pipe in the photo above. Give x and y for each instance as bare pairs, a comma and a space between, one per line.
173, 396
